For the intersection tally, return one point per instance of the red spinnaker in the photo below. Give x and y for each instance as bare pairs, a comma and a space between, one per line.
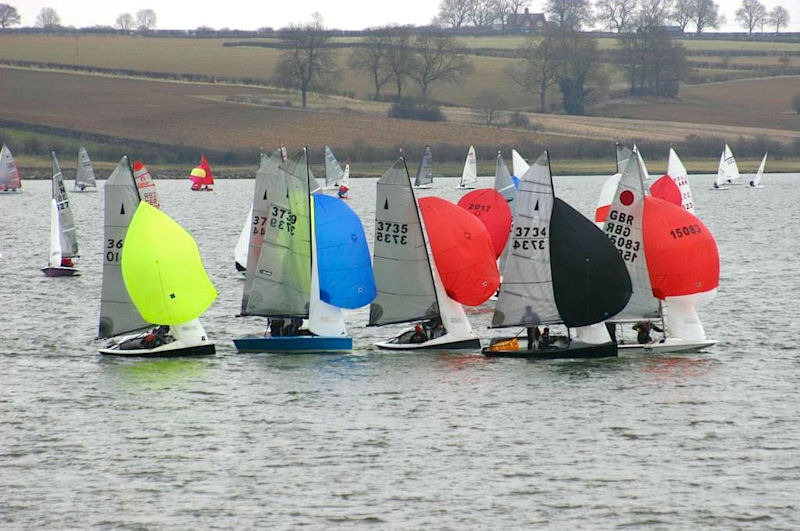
462, 251
665, 188
682, 256
202, 175
489, 206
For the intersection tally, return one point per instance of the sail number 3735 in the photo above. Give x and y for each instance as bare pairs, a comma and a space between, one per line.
390, 232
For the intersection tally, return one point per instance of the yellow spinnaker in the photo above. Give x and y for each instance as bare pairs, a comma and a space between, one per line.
162, 269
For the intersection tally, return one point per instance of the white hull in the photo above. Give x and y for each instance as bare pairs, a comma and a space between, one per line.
757, 186
670, 344
423, 186
174, 348
448, 341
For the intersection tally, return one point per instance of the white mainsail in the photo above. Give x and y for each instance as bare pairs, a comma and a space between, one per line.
54, 260
9, 173
242, 244
677, 172
67, 233
518, 164
728, 166
469, 176
117, 313
333, 171
756, 182
425, 170
84, 175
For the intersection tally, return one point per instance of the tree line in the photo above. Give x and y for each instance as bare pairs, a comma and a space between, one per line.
47, 17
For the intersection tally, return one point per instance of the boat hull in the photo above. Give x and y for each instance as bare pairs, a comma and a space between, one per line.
468, 187
173, 349
574, 350
295, 344
60, 271
445, 342
670, 344
423, 186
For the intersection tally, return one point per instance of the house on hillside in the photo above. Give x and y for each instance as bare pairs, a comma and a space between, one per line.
525, 22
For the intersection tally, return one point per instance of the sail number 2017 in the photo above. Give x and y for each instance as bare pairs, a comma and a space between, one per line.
391, 232
113, 248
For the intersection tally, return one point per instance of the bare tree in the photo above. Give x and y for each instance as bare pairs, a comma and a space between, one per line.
653, 62
48, 18
654, 13
569, 15
578, 70
438, 58
146, 19
482, 12
535, 72
400, 56
453, 12
307, 64
8, 16
705, 15
779, 17
372, 58
751, 14
683, 12
489, 103
504, 8
616, 15
124, 21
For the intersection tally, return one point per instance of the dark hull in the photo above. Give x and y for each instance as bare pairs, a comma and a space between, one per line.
60, 271
575, 350
295, 344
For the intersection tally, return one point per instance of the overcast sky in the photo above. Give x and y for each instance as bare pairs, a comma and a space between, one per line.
250, 14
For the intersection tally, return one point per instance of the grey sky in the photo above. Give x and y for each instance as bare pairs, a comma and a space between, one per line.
250, 15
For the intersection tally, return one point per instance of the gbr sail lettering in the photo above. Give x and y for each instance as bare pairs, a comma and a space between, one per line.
618, 228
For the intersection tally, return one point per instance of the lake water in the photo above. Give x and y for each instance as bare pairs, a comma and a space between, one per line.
423, 440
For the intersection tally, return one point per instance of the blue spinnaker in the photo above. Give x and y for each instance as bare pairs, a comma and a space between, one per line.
343, 261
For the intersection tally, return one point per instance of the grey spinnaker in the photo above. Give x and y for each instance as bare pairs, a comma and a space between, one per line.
400, 262
282, 277
117, 313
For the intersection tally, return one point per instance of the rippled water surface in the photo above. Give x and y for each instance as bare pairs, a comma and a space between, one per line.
438, 440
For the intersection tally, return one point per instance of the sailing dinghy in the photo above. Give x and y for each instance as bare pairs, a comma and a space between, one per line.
503, 181
755, 182
674, 186
561, 270
424, 178
412, 288
152, 275
672, 260
63, 236
10, 178
85, 180
469, 176
201, 176
145, 184
334, 175
240, 251
493, 210
728, 171
311, 261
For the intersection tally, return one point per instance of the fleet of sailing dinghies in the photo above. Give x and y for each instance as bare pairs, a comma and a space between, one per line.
201, 176
152, 275
469, 177
561, 270
672, 260
312, 261
411, 288
728, 172
84, 174
755, 182
63, 236
10, 178
424, 178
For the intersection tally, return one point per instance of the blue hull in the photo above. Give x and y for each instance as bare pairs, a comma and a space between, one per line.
295, 344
